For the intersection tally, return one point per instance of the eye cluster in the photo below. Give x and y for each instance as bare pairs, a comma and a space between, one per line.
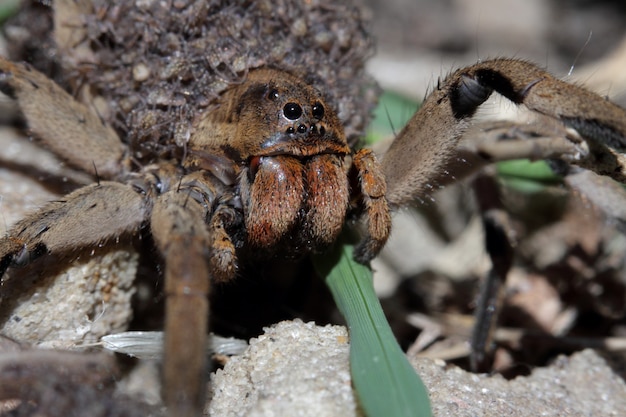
294, 111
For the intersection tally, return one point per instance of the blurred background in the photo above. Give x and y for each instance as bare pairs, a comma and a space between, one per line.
419, 40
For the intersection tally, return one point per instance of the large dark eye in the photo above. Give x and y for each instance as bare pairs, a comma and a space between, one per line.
292, 111
318, 111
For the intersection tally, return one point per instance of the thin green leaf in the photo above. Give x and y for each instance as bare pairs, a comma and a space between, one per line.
390, 116
527, 176
523, 168
8, 8
385, 382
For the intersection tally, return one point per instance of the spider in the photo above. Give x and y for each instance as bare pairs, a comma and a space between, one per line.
267, 170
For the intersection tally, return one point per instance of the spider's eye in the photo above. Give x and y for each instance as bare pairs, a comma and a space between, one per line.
273, 94
292, 111
318, 111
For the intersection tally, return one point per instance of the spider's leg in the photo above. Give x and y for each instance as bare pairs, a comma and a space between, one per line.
180, 232
372, 188
87, 216
67, 127
417, 156
190, 226
223, 260
593, 116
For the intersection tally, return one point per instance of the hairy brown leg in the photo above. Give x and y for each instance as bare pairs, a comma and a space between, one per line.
88, 216
593, 116
179, 229
65, 126
420, 151
373, 189
223, 259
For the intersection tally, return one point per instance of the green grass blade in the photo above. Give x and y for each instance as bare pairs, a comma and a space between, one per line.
8, 8
527, 176
385, 382
390, 116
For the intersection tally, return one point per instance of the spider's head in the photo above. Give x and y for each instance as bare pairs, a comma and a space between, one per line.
272, 113
279, 114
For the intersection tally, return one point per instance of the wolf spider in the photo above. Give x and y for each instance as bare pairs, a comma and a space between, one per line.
269, 171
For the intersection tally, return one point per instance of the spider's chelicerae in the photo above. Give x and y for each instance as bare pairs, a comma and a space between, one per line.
264, 168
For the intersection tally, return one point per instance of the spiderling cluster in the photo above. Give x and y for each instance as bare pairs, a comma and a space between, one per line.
157, 64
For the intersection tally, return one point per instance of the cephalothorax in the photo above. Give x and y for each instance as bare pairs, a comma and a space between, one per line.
265, 170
